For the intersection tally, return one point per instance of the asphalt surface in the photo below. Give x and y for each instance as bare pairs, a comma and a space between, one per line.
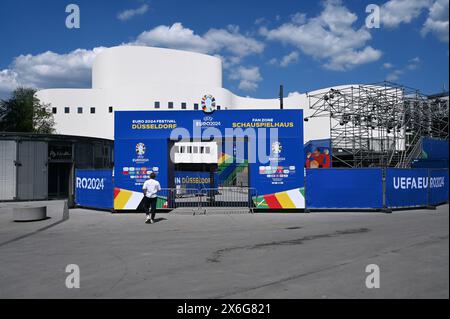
317, 255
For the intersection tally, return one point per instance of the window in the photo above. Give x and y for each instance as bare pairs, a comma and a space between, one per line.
182, 149
170, 105
202, 149
110, 109
189, 150
195, 106
176, 149
207, 150
195, 149
54, 110
183, 106
218, 107
67, 110
92, 110
80, 110
156, 105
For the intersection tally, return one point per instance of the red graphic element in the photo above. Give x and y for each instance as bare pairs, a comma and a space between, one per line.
272, 201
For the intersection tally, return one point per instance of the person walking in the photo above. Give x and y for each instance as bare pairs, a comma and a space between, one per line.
150, 189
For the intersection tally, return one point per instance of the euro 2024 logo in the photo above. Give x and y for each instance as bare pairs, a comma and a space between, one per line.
276, 148
140, 149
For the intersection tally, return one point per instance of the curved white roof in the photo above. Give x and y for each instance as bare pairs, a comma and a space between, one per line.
128, 66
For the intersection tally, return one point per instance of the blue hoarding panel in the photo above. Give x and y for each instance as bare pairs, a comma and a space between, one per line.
406, 187
94, 188
344, 188
438, 186
434, 149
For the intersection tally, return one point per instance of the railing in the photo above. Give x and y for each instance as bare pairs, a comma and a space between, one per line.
221, 197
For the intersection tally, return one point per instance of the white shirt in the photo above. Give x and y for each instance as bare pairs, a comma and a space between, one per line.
152, 187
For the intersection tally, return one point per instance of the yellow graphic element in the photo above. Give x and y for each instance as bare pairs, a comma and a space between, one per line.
122, 199
223, 158
284, 200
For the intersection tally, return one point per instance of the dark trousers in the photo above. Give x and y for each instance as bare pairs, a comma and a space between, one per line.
150, 206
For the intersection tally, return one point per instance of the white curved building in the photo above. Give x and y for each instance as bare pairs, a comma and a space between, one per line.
146, 78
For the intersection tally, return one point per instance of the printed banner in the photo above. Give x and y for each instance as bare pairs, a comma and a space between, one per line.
94, 188
438, 186
272, 166
406, 187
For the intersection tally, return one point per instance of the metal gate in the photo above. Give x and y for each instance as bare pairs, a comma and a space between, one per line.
201, 199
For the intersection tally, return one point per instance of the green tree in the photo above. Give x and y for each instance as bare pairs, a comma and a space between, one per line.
23, 112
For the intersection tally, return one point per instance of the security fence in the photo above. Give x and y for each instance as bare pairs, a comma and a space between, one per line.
325, 189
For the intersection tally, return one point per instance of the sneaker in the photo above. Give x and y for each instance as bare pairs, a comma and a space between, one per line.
148, 220
152, 221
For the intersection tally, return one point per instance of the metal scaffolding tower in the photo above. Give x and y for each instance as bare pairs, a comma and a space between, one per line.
381, 124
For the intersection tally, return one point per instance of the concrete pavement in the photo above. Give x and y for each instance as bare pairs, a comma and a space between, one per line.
318, 255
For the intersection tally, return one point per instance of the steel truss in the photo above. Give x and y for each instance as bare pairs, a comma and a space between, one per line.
381, 124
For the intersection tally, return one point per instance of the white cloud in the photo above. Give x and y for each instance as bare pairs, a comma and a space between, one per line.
394, 75
248, 77
395, 12
437, 21
388, 65
329, 37
49, 69
8, 82
413, 63
131, 13
289, 59
228, 40
285, 60
295, 93
299, 18
73, 69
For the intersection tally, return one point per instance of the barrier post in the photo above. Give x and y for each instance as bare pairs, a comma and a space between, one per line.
385, 209
429, 206
307, 211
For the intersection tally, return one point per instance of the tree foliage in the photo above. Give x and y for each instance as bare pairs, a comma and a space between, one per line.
23, 112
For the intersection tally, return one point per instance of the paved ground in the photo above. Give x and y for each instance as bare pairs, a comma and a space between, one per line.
318, 255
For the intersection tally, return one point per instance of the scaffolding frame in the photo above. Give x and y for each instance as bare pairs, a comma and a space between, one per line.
380, 124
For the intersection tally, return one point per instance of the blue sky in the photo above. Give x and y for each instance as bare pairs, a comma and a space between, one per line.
304, 45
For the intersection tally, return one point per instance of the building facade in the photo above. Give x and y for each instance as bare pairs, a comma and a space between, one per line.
146, 78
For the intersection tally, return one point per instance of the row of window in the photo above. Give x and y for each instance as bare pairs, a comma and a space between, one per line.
192, 149
170, 105
80, 110
157, 105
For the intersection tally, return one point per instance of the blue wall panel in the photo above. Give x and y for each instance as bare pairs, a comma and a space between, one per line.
344, 188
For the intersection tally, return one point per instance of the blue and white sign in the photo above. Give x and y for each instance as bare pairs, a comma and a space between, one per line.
406, 187
438, 186
94, 188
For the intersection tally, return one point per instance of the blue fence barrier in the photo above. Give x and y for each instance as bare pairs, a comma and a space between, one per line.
94, 188
334, 188
344, 188
438, 186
